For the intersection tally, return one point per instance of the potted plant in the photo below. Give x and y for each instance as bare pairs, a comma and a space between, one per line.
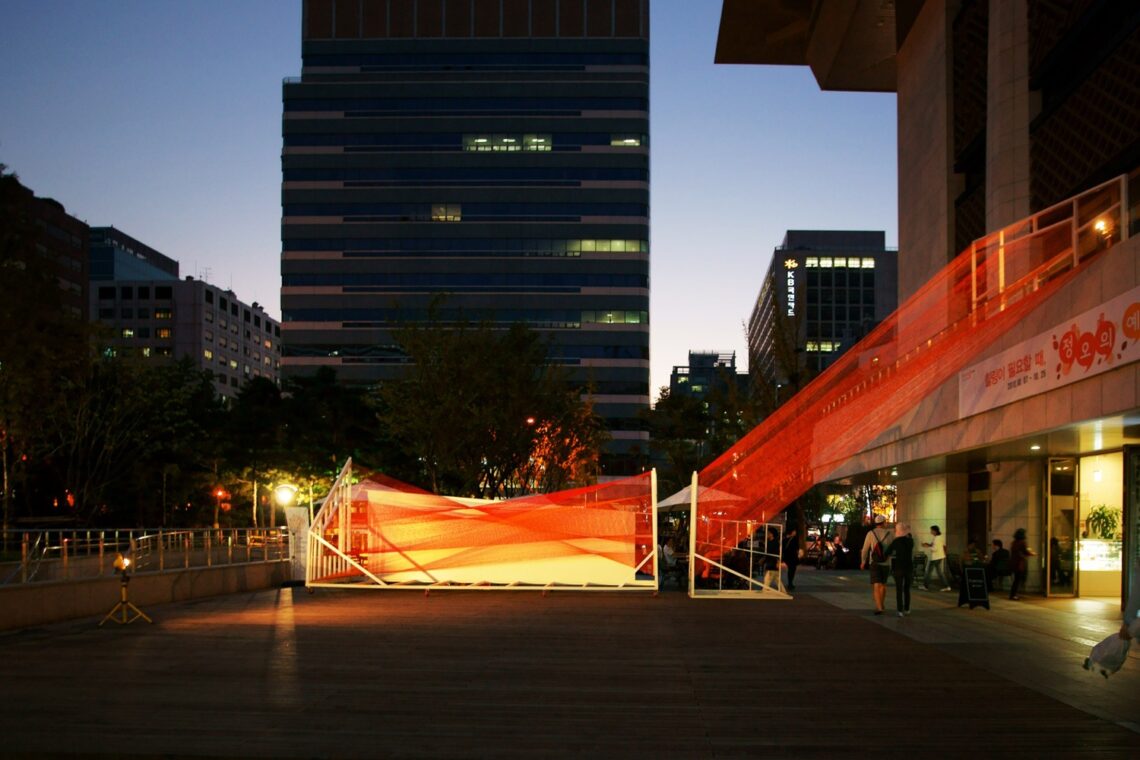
1103, 522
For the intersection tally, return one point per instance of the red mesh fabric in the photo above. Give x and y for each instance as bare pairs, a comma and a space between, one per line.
933, 335
396, 528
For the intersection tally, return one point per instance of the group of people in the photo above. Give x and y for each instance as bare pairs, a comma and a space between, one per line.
889, 553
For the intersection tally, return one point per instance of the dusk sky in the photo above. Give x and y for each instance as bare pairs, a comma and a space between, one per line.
163, 119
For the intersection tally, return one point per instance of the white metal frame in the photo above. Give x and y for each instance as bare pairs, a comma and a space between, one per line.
326, 559
754, 588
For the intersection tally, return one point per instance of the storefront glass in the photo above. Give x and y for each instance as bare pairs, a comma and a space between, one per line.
1100, 523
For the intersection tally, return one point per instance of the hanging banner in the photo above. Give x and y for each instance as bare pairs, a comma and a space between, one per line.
1096, 341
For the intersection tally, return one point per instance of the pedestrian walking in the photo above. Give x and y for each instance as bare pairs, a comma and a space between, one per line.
1019, 553
937, 560
874, 558
901, 554
791, 556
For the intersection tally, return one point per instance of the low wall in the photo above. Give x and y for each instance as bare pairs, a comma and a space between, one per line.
32, 604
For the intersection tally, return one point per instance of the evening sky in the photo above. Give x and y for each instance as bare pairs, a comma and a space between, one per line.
163, 119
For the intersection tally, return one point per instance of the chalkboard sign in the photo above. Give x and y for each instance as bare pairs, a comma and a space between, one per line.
972, 590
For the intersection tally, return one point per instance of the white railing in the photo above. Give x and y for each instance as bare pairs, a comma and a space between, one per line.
68, 555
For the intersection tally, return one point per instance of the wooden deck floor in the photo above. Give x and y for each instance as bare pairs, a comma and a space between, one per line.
362, 674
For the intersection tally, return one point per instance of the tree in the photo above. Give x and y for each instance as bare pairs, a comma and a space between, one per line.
43, 349
474, 402
678, 434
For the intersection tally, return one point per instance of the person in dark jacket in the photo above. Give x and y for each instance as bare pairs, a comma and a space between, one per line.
791, 556
1019, 553
902, 566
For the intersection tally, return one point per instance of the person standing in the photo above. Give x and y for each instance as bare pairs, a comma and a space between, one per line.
1019, 553
902, 568
937, 561
874, 557
791, 556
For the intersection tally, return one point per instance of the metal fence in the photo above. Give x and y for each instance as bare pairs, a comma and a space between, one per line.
62, 555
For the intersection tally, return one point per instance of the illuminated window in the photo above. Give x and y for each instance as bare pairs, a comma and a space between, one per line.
146, 351
208, 354
536, 142
233, 363
812, 262
625, 141
853, 263
446, 212
163, 313
839, 263
164, 351
826, 346
825, 262
868, 263
812, 346
267, 343
163, 333
127, 332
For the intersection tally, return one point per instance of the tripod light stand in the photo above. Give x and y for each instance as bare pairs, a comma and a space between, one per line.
119, 612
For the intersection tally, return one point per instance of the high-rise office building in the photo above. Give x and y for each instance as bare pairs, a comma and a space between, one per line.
472, 160
824, 290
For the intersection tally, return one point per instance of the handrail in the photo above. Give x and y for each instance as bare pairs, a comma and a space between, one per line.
76, 554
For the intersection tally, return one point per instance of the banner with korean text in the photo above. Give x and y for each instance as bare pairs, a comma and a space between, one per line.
1096, 341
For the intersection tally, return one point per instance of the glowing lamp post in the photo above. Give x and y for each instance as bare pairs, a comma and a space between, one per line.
284, 494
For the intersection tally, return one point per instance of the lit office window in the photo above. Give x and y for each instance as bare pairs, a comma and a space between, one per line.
811, 262
825, 262
446, 212
625, 141
868, 263
127, 332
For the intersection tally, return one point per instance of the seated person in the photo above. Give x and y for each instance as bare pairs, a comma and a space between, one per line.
998, 566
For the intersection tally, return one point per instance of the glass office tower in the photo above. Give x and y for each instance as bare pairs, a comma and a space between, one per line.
478, 160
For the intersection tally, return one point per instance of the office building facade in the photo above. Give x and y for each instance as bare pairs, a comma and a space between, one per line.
824, 290
487, 162
1015, 119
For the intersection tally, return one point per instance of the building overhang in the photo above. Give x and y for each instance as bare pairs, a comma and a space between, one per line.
848, 44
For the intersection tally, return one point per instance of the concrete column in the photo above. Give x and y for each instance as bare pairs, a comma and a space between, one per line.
926, 143
1007, 115
1017, 500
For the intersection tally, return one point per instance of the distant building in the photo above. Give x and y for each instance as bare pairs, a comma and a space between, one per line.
115, 255
151, 314
61, 242
707, 372
483, 161
824, 290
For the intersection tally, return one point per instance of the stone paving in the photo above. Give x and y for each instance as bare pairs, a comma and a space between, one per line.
363, 674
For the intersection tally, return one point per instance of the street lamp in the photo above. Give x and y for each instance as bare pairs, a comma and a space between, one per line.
284, 494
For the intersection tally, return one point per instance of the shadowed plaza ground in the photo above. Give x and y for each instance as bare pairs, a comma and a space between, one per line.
480, 674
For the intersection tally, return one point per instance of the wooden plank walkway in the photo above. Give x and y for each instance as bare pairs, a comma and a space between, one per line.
364, 674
